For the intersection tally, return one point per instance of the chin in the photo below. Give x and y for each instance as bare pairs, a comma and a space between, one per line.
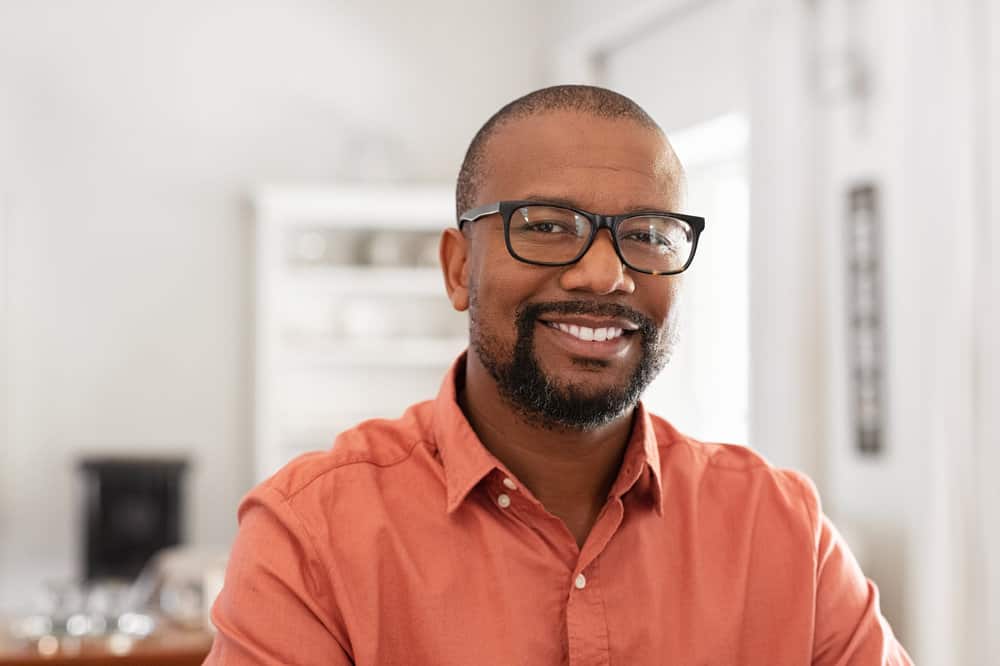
588, 373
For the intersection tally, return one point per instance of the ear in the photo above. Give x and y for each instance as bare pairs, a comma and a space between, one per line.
454, 255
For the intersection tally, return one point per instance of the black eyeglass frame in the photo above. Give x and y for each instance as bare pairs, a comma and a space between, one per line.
597, 222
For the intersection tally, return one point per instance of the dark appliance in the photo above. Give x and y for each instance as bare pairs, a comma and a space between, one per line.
132, 509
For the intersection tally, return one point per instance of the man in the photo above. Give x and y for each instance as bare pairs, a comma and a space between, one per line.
535, 512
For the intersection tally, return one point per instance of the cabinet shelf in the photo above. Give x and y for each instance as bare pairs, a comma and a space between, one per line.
336, 341
368, 279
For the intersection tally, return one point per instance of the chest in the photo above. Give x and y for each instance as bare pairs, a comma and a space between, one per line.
507, 590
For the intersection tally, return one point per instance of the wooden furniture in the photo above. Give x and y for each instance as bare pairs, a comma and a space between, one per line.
164, 648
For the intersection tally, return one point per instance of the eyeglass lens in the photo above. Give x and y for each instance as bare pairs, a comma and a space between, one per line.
550, 234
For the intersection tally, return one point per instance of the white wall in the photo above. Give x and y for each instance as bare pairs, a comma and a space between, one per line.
986, 579
131, 134
858, 140
706, 83
5, 495
788, 335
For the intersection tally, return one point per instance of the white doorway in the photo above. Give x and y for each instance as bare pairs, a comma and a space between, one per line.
705, 389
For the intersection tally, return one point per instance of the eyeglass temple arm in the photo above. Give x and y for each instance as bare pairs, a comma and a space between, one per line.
475, 213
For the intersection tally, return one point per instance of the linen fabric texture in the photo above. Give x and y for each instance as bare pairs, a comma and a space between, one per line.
397, 547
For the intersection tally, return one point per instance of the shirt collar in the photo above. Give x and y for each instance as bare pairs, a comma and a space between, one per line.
466, 461
641, 463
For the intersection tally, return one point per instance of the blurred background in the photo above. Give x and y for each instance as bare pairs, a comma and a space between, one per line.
218, 227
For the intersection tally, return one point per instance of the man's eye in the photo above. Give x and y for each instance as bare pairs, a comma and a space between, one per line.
650, 238
548, 227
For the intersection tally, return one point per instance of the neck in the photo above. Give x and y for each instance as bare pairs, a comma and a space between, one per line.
570, 471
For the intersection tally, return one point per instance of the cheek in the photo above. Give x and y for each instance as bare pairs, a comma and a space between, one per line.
660, 298
495, 292
503, 283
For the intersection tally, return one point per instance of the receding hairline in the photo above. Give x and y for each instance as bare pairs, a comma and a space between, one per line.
591, 101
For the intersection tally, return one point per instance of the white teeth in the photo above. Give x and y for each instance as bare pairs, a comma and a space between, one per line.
588, 334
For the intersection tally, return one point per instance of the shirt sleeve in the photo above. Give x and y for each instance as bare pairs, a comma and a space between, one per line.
850, 629
273, 606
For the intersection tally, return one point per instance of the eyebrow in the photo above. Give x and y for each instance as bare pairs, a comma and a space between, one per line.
560, 201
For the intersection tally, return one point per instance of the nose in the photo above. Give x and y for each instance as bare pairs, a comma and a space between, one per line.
599, 270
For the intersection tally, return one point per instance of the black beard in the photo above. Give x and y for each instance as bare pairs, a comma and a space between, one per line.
540, 400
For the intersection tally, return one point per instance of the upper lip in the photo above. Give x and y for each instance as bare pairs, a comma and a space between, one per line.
590, 321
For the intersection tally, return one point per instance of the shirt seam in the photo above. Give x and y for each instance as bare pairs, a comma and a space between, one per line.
709, 458
814, 520
335, 466
814, 537
314, 559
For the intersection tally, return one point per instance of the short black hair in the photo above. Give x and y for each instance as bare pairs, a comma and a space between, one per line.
592, 100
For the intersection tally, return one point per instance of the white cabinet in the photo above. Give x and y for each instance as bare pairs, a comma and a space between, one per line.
352, 320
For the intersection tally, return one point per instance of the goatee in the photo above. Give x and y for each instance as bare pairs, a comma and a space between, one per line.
542, 400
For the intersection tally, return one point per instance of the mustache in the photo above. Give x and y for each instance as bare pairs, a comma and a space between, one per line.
528, 314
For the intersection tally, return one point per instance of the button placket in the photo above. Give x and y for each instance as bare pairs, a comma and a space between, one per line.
503, 498
586, 619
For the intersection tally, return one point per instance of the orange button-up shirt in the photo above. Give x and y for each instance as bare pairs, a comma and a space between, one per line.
409, 543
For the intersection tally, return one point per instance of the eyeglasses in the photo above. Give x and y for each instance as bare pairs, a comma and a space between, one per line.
653, 242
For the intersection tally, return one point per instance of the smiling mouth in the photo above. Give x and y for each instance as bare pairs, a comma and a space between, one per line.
586, 333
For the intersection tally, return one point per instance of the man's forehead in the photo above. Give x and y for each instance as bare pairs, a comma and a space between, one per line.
569, 128
547, 151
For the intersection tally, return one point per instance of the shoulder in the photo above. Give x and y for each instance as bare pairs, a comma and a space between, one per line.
738, 475
363, 452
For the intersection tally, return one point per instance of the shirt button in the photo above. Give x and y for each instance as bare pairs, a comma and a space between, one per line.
503, 501
510, 483
580, 582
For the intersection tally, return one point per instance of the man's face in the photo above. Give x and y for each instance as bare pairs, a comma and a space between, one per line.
529, 324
